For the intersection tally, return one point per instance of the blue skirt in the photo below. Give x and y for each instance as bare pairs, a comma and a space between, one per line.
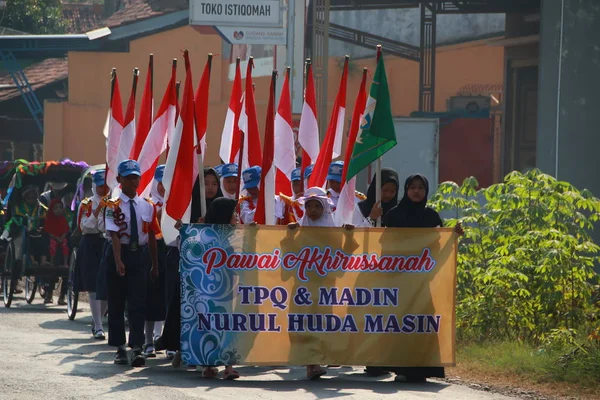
156, 294
101, 286
89, 256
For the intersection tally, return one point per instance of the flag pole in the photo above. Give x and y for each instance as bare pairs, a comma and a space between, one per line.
240, 172
378, 178
200, 157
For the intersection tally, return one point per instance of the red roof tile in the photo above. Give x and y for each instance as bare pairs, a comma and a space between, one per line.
39, 75
135, 10
82, 17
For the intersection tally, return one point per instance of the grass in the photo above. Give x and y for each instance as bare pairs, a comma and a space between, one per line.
567, 371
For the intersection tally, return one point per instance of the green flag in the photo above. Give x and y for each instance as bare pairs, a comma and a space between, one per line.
377, 134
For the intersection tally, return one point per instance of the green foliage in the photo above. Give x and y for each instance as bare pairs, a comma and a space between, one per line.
526, 261
35, 16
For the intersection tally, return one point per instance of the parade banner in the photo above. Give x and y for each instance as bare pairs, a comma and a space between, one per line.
275, 296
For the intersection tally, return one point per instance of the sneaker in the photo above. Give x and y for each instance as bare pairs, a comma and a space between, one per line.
137, 359
149, 351
121, 357
99, 334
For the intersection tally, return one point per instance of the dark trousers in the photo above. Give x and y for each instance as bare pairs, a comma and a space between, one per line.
131, 290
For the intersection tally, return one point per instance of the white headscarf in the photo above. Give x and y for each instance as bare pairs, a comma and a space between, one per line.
317, 193
156, 198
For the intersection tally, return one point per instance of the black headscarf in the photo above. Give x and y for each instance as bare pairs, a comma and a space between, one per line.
220, 211
387, 175
196, 207
413, 215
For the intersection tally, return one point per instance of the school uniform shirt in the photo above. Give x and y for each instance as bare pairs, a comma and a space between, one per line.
118, 218
88, 223
335, 197
247, 209
287, 209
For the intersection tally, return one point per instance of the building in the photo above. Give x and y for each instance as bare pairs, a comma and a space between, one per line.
73, 125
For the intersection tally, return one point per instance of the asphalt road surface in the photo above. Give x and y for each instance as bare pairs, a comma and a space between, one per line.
43, 355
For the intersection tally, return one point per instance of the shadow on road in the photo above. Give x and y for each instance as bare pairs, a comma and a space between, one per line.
338, 383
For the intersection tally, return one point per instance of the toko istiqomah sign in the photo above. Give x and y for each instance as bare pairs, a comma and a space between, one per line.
236, 13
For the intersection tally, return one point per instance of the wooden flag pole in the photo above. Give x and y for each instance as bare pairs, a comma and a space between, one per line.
378, 178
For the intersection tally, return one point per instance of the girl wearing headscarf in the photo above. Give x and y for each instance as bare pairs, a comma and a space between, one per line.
412, 212
156, 293
317, 207
389, 196
222, 212
169, 340
91, 249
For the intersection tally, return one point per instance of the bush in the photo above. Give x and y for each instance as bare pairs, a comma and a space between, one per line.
526, 261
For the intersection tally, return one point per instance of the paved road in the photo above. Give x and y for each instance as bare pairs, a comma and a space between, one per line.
44, 355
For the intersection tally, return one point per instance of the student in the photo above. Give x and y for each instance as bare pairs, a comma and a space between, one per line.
170, 338
369, 207
133, 226
229, 180
287, 209
212, 190
412, 212
247, 204
334, 181
222, 212
91, 249
156, 296
307, 173
318, 213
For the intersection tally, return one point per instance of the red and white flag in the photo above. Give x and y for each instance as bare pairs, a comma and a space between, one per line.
181, 169
346, 207
285, 149
144, 120
308, 131
113, 130
265, 209
230, 138
128, 135
332, 145
249, 125
156, 140
201, 106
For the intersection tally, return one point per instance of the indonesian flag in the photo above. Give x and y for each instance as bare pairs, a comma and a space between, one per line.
156, 140
112, 131
265, 209
344, 213
144, 121
332, 146
181, 169
128, 135
285, 149
249, 124
230, 138
308, 132
201, 107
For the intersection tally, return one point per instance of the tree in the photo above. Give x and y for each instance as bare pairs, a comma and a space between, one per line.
35, 16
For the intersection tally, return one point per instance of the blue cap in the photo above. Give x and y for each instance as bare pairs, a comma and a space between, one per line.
308, 171
335, 171
129, 167
252, 177
99, 177
297, 175
159, 173
229, 170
